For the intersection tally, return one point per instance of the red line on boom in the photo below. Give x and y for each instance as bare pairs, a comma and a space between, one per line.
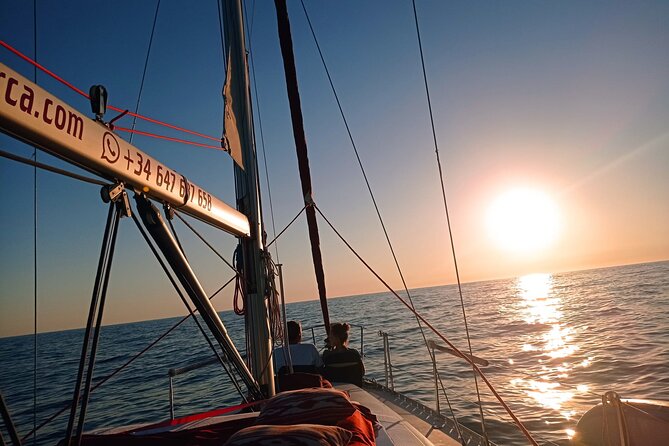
84, 94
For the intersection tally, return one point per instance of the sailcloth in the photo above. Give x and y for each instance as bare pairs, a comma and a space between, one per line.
231, 141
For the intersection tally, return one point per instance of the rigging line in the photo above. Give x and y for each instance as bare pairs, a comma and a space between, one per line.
168, 138
502, 419
95, 297
434, 330
128, 362
190, 311
253, 14
262, 138
52, 169
146, 65
98, 323
35, 239
207, 243
448, 219
287, 226
169, 214
364, 174
111, 107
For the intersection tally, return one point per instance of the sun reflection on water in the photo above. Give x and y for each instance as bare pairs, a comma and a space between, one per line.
539, 305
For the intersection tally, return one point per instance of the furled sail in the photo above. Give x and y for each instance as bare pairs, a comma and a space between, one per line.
231, 141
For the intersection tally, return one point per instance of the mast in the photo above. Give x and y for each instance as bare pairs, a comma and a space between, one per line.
286, 42
238, 114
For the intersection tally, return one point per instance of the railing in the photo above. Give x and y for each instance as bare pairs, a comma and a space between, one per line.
387, 363
176, 371
434, 347
362, 335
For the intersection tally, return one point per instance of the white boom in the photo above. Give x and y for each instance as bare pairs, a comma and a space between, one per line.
31, 114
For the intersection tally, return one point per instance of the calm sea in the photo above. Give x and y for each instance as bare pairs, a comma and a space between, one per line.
555, 343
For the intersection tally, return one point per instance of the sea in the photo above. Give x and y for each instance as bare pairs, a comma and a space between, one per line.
554, 342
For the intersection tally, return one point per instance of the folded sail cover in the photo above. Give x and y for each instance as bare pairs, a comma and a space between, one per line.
31, 114
231, 141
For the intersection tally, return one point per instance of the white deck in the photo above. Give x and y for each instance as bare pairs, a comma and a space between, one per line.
399, 426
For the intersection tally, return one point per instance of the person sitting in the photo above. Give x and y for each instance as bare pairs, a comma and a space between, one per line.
342, 364
304, 357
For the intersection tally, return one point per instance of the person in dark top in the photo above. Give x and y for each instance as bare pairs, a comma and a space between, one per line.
342, 364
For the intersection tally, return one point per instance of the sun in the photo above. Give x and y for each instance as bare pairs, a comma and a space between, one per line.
523, 220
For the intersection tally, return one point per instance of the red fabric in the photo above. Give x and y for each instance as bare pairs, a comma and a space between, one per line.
199, 416
314, 406
298, 381
361, 427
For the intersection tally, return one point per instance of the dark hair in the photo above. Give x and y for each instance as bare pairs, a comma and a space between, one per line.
340, 330
294, 332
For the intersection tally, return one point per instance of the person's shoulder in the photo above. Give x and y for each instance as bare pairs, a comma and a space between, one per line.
354, 352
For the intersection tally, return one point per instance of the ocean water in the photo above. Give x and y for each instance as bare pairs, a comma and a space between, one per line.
555, 343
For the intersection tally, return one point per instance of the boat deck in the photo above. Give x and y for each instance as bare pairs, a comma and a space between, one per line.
401, 426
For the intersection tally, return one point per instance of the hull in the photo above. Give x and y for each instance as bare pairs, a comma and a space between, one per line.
629, 423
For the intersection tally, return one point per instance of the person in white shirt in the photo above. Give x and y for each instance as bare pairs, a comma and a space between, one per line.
302, 355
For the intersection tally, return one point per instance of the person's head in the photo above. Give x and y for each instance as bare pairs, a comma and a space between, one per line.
339, 334
294, 332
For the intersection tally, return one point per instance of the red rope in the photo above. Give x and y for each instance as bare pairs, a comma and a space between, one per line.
84, 94
168, 138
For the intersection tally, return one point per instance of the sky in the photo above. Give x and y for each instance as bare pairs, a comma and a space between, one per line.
568, 100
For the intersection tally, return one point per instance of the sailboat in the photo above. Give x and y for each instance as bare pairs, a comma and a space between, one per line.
31, 114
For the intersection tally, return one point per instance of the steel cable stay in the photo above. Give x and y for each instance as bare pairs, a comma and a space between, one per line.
433, 329
201, 237
224, 363
52, 169
96, 308
146, 65
448, 219
262, 136
35, 263
128, 362
371, 193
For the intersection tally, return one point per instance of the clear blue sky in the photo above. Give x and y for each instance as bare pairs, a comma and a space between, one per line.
569, 98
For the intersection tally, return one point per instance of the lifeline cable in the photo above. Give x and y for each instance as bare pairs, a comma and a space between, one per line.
434, 330
127, 363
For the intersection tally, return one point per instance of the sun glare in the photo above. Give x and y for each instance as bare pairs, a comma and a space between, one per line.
523, 220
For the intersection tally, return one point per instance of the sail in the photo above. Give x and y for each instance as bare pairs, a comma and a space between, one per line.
231, 141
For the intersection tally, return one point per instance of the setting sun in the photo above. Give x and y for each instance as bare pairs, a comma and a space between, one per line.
523, 220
